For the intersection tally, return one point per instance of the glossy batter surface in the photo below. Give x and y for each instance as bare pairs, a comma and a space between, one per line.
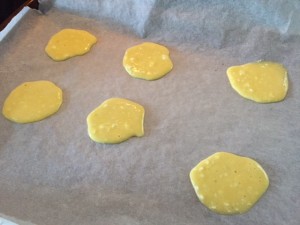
115, 121
69, 43
229, 184
32, 101
262, 81
147, 61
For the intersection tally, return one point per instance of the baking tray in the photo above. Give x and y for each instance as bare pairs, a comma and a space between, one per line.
9, 9
52, 173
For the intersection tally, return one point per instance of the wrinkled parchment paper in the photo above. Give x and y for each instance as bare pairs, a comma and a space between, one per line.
52, 173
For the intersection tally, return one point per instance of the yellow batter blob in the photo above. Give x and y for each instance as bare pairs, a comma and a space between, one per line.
69, 43
115, 121
32, 101
229, 184
262, 81
147, 61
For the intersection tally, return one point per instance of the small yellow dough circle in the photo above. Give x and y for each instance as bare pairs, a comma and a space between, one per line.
261, 81
32, 101
147, 61
229, 184
115, 121
68, 43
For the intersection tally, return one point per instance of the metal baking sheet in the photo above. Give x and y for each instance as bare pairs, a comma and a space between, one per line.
51, 172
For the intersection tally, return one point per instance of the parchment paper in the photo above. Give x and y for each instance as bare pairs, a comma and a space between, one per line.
52, 173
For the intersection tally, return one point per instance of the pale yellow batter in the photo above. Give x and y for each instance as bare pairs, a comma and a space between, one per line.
32, 101
262, 81
147, 61
229, 184
69, 43
115, 121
